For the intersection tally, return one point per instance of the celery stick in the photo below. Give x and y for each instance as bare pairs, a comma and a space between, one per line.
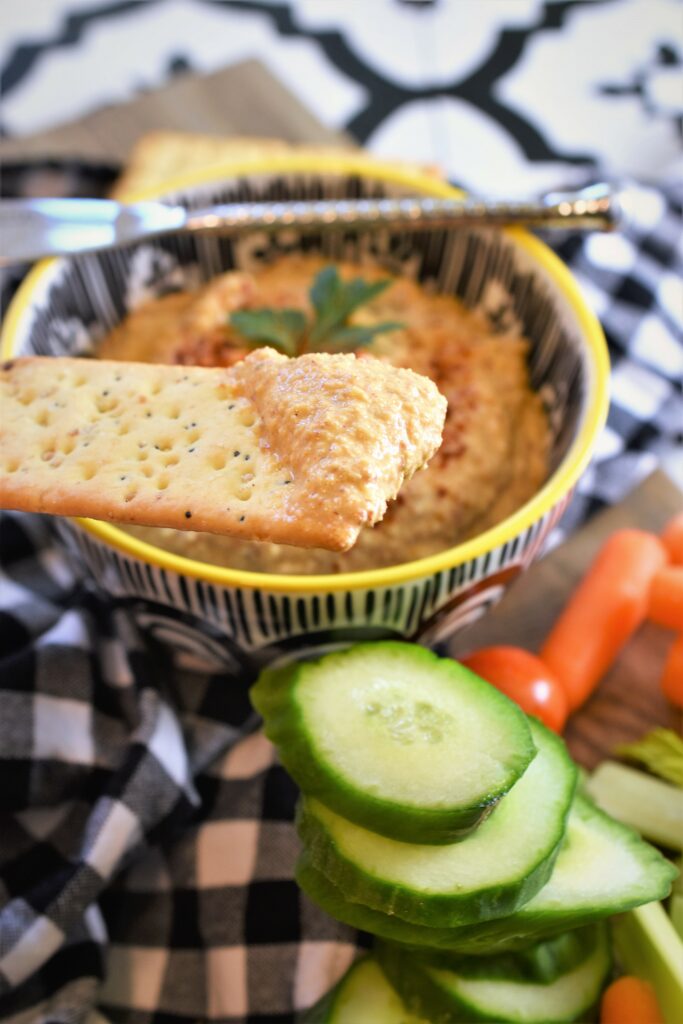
647, 945
676, 912
676, 900
654, 808
661, 751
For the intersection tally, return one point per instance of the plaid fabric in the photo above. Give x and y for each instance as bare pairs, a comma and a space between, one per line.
146, 832
146, 837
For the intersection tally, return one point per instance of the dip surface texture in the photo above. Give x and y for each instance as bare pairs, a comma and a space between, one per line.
496, 439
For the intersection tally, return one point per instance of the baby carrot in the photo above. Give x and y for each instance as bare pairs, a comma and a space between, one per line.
672, 677
630, 1000
672, 538
608, 605
666, 598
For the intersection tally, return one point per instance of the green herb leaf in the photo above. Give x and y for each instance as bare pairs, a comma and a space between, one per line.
346, 339
334, 300
661, 751
284, 329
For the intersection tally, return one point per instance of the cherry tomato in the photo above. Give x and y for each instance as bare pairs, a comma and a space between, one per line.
524, 678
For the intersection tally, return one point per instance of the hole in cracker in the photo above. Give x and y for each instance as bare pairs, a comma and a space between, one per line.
164, 444
156, 388
143, 456
217, 460
11, 466
26, 397
106, 402
163, 480
42, 418
243, 493
193, 435
173, 412
79, 381
130, 493
247, 478
171, 460
147, 471
48, 452
123, 429
68, 446
89, 470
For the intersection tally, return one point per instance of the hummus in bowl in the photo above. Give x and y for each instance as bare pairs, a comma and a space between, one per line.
496, 447
493, 318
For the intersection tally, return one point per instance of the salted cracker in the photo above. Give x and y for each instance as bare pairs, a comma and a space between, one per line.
159, 156
301, 451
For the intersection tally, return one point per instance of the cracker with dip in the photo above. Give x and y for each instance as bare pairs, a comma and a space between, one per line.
301, 451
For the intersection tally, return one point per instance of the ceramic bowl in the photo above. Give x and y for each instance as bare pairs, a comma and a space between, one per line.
240, 620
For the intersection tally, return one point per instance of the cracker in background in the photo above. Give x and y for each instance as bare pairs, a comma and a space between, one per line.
296, 451
160, 156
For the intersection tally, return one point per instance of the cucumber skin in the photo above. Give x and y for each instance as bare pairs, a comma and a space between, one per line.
324, 1010
423, 995
444, 911
414, 937
439, 910
273, 697
540, 964
516, 932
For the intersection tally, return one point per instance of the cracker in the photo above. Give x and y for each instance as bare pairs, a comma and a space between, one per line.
162, 155
300, 451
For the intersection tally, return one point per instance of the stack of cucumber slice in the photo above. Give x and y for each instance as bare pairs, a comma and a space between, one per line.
437, 816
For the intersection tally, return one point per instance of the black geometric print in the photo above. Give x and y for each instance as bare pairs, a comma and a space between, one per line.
638, 84
385, 96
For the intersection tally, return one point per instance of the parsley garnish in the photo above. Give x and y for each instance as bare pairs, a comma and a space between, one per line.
333, 302
281, 328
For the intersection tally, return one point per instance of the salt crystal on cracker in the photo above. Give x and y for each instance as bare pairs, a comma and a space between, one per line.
300, 451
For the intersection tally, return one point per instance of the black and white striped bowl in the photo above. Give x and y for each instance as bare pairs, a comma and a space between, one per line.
239, 619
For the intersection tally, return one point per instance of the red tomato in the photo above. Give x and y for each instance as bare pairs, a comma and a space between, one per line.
524, 678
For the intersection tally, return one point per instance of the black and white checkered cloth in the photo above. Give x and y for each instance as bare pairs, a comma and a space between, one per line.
146, 837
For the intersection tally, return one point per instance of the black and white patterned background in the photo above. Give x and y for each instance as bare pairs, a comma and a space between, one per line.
507, 95
146, 844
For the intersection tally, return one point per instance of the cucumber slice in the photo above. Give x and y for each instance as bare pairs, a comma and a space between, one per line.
442, 994
541, 963
603, 868
362, 996
395, 739
500, 866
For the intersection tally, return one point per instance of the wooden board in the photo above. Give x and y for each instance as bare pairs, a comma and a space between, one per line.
628, 701
246, 100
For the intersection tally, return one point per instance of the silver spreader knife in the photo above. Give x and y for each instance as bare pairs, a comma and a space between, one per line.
34, 228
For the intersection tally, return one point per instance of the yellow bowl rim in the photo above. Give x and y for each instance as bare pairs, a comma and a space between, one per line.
559, 484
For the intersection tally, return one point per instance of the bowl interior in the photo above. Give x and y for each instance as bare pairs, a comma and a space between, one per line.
74, 302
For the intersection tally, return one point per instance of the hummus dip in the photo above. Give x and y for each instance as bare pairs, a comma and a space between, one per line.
496, 439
